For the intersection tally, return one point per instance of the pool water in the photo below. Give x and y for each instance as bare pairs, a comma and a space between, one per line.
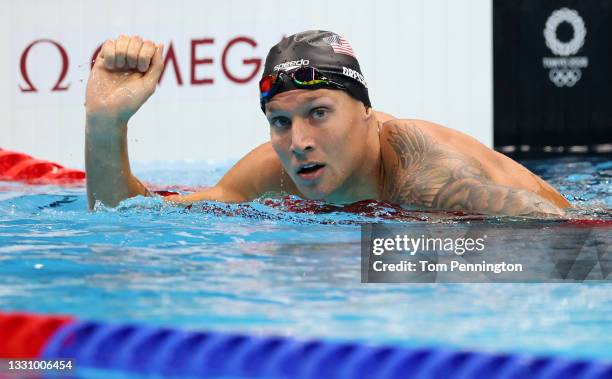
274, 267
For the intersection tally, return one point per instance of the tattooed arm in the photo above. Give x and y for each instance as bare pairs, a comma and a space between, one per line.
422, 172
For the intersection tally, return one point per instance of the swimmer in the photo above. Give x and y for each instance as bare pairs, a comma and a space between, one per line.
326, 140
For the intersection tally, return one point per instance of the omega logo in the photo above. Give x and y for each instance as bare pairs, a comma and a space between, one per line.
171, 62
24, 71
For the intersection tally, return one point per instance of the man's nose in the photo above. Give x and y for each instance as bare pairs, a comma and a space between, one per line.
301, 140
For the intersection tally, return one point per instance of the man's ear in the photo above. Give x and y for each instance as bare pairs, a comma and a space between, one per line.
369, 113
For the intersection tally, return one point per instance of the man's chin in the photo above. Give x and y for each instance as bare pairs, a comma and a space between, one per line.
310, 195
314, 192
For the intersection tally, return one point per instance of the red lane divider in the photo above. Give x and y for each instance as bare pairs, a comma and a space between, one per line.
15, 166
22, 167
32, 169
161, 352
587, 223
10, 158
23, 335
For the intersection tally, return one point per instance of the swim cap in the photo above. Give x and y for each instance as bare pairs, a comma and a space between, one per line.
326, 51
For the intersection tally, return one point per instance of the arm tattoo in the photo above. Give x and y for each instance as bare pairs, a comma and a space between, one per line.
426, 174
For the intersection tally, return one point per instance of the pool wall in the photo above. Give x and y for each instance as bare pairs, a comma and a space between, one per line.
206, 106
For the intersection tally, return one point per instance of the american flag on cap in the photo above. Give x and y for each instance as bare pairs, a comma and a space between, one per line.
340, 45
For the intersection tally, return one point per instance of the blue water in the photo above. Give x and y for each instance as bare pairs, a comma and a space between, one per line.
265, 270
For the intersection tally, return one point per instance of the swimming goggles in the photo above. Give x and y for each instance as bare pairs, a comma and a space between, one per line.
303, 77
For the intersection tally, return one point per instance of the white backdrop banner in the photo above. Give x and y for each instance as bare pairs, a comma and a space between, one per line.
426, 59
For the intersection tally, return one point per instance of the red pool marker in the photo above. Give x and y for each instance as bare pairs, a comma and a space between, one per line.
589, 222
23, 335
16, 166
9, 159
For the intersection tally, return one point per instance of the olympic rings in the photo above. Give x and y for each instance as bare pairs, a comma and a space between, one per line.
565, 77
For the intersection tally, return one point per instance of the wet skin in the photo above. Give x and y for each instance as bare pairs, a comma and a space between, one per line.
333, 148
323, 145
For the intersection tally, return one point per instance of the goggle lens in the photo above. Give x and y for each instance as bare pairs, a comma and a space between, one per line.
304, 76
267, 83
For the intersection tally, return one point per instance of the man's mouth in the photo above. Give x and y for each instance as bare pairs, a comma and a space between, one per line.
310, 171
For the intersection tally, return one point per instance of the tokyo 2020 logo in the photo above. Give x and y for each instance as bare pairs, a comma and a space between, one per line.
566, 69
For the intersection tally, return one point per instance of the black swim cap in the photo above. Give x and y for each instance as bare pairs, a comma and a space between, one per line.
326, 51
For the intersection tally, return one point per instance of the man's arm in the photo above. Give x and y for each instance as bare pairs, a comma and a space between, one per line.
428, 174
109, 178
257, 173
122, 78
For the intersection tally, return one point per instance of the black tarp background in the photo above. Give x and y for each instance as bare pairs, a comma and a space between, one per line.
529, 109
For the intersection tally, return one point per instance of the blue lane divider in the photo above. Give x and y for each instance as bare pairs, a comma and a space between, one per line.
176, 353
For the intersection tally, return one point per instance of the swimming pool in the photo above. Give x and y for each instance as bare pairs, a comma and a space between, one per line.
273, 267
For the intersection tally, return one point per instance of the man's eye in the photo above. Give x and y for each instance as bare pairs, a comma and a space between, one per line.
319, 113
280, 122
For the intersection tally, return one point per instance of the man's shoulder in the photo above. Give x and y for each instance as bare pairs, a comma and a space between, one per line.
411, 159
419, 162
407, 124
444, 138
405, 136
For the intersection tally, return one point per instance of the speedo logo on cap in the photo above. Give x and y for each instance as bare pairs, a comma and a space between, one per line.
291, 65
354, 75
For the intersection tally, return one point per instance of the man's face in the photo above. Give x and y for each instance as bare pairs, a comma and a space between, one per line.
319, 136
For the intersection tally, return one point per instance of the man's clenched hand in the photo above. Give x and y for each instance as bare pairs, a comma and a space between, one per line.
124, 76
